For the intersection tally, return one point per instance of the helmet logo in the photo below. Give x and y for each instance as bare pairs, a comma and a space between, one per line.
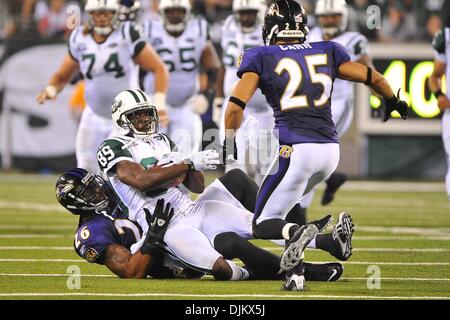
274, 10
116, 105
62, 190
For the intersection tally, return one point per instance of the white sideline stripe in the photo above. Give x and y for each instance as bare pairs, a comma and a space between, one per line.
378, 249
42, 260
405, 230
30, 236
37, 227
347, 262
35, 248
287, 296
30, 205
113, 276
266, 248
400, 279
393, 238
57, 275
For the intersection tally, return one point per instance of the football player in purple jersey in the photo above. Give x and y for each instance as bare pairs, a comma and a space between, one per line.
297, 80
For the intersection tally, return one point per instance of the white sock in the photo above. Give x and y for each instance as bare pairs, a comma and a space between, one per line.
312, 244
238, 272
285, 231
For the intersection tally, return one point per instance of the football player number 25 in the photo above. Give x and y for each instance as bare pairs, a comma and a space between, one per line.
104, 155
289, 100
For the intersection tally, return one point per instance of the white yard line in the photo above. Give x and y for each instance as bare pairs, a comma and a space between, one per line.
36, 248
32, 236
44, 275
429, 250
223, 296
35, 206
346, 263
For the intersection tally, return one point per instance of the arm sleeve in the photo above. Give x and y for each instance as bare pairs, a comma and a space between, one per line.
439, 45
110, 153
250, 61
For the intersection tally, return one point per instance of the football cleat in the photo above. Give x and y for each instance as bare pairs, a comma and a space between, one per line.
335, 181
295, 278
293, 253
322, 224
342, 237
328, 272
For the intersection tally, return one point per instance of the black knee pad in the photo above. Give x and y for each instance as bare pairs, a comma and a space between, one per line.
224, 243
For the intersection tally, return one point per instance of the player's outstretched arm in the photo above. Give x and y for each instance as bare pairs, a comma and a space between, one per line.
126, 265
356, 72
134, 175
435, 84
120, 261
59, 80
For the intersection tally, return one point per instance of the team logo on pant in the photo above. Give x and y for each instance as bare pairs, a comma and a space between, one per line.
285, 151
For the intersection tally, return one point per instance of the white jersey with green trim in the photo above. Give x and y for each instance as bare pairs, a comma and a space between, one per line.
356, 45
147, 152
234, 42
107, 67
182, 56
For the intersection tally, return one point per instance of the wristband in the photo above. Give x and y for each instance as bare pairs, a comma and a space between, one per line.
160, 101
51, 91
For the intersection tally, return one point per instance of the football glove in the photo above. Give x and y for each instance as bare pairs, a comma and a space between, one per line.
229, 151
204, 160
395, 104
157, 226
199, 103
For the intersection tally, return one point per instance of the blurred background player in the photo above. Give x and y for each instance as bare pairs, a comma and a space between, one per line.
241, 31
332, 17
106, 51
441, 45
183, 44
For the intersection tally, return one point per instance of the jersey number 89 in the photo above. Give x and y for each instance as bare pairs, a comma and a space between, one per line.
104, 155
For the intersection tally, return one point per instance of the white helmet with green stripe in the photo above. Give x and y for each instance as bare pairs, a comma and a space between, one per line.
93, 6
133, 111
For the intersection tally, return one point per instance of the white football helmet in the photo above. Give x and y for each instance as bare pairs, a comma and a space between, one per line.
102, 5
133, 111
259, 6
177, 26
326, 7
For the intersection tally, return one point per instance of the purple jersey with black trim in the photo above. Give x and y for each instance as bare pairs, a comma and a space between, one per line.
95, 235
297, 80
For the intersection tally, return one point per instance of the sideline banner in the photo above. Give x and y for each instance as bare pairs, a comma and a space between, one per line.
29, 130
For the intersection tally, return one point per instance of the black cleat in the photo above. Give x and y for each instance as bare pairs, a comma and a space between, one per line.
293, 253
295, 278
328, 272
323, 223
335, 181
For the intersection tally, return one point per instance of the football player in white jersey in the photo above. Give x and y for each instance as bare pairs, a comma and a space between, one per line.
333, 19
441, 45
183, 44
107, 53
143, 167
241, 31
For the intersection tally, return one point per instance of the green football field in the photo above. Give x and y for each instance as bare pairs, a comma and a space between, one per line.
401, 249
